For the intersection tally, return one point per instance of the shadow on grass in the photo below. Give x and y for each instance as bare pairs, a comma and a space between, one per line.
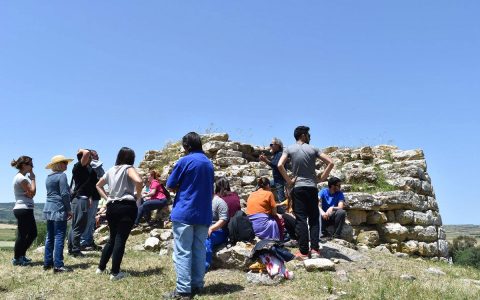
148, 272
222, 289
82, 266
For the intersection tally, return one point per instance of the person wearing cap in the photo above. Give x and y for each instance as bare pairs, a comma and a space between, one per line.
57, 211
24, 188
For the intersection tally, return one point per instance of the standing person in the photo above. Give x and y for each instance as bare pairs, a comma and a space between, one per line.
192, 180
86, 239
24, 188
332, 207
57, 211
123, 181
276, 148
155, 198
305, 192
85, 179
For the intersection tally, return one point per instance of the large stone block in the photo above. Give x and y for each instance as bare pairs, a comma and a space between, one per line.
442, 248
409, 247
361, 201
428, 234
213, 146
222, 137
423, 218
228, 153
356, 217
393, 232
376, 217
235, 257
408, 155
370, 238
427, 249
404, 217
228, 161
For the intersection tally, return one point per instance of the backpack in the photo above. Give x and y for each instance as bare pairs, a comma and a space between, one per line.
240, 228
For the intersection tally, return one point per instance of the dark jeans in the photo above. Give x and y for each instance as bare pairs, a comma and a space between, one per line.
54, 243
305, 208
120, 217
79, 223
280, 196
338, 220
148, 206
26, 232
290, 225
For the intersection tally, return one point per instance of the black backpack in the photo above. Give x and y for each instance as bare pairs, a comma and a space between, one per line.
240, 228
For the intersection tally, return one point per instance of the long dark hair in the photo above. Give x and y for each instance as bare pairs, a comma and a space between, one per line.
263, 182
222, 187
21, 161
125, 156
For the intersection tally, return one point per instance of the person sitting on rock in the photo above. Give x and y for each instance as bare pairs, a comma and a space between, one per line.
289, 221
331, 208
262, 212
217, 233
222, 189
156, 198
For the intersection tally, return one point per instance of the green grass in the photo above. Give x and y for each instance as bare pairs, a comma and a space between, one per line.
7, 234
375, 278
381, 185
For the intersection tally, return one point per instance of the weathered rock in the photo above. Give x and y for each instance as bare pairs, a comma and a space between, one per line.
213, 146
356, 217
263, 279
425, 219
427, 249
333, 250
101, 229
227, 161
228, 153
166, 235
152, 244
376, 217
393, 232
319, 264
342, 275
428, 234
401, 254
40, 250
138, 248
407, 277
404, 217
223, 137
235, 257
248, 180
370, 238
435, 271
442, 246
408, 155
155, 233
102, 240
409, 247
136, 231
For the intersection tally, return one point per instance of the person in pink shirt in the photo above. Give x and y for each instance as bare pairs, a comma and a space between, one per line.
156, 198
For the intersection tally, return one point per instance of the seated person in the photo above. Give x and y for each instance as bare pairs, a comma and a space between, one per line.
331, 208
218, 231
155, 199
262, 212
222, 190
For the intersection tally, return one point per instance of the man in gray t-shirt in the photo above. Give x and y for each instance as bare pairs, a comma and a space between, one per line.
304, 192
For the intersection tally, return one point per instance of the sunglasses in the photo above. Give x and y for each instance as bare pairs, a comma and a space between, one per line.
271, 145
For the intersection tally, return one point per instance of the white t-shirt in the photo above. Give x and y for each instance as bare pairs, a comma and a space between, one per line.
21, 200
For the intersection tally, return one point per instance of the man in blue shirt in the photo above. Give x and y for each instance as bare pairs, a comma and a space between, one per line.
192, 181
331, 210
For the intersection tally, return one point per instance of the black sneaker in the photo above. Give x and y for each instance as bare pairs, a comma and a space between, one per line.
76, 254
62, 269
46, 268
196, 291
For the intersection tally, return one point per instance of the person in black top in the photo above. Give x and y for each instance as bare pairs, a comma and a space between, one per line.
276, 148
85, 179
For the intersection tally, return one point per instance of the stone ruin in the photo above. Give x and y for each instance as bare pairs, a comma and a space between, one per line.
391, 203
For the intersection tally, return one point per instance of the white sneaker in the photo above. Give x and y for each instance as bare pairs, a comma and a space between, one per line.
119, 276
99, 272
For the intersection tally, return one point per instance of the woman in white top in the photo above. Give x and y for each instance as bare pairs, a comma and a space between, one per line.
123, 180
24, 188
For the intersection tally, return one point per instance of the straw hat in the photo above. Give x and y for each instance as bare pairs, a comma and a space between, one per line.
57, 159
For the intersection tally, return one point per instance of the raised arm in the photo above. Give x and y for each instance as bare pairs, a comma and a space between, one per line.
29, 188
329, 162
85, 157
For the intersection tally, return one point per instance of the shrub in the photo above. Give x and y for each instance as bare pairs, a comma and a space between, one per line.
468, 257
41, 234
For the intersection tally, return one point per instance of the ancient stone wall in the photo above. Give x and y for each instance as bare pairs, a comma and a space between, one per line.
390, 199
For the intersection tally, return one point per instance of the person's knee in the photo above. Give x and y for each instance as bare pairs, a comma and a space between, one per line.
341, 213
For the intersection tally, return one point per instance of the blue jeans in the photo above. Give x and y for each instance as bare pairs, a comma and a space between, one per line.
54, 242
87, 236
216, 238
148, 206
189, 255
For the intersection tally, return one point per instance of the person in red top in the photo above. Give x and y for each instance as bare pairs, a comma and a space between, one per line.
222, 189
156, 198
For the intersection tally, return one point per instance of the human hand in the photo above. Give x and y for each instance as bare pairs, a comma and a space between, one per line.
325, 216
210, 231
329, 211
69, 215
31, 175
29, 194
262, 157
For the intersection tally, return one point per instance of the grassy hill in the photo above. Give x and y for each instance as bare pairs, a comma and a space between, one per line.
7, 217
454, 231
376, 277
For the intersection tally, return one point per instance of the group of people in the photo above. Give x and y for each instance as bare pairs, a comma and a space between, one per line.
200, 213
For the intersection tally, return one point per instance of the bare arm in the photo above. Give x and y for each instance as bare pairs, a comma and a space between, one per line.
282, 170
135, 177
100, 184
329, 162
219, 224
29, 188
85, 157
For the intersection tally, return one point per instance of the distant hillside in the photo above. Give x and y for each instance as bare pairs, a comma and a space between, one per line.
6, 213
454, 231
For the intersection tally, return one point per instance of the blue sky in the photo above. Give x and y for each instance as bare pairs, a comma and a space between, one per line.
109, 74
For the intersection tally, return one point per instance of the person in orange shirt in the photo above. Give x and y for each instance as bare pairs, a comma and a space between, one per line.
262, 212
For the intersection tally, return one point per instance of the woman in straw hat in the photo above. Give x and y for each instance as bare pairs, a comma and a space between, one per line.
56, 211
24, 188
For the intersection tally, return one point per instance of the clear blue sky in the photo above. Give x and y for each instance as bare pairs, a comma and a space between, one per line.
104, 74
